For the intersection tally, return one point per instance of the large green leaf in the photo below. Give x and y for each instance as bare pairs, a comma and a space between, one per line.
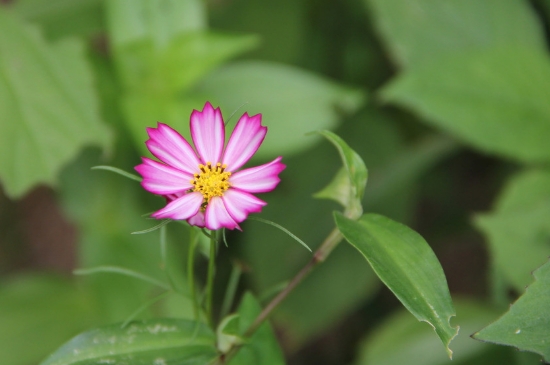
407, 265
400, 339
155, 341
262, 346
38, 313
159, 21
49, 110
420, 31
518, 230
292, 101
526, 325
62, 18
496, 100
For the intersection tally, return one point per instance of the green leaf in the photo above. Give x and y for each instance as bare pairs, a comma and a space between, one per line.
63, 18
49, 110
518, 229
292, 101
262, 346
38, 312
159, 21
526, 325
495, 100
140, 343
420, 31
406, 264
356, 171
400, 339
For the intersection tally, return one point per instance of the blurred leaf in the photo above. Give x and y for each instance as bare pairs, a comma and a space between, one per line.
262, 346
418, 32
39, 312
144, 342
62, 18
158, 21
400, 339
518, 229
406, 264
526, 325
282, 41
496, 100
357, 174
291, 101
49, 110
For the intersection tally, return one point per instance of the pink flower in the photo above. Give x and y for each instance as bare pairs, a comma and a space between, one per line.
206, 187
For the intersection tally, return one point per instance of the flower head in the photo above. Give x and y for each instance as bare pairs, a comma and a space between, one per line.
204, 185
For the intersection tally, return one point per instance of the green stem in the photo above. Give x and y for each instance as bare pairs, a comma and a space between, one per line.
210, 279
319, 256
191, 271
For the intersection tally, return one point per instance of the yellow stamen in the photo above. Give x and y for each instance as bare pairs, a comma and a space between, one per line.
211, 181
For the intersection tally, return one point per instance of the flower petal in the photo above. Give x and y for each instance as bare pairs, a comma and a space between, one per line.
258, 179
182, 208
208, 132
239, 204
162, 179
197, 220
171, 148
216, 216
245, 140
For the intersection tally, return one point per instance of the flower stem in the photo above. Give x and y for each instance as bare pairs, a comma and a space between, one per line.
210, 279
191, 271
319, 256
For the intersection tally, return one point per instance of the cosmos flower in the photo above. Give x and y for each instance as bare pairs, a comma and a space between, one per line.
205, 186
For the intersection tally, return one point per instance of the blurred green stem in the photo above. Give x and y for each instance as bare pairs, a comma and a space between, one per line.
191, 271
210, 278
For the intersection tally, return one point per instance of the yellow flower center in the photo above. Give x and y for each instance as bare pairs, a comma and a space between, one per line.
211, 181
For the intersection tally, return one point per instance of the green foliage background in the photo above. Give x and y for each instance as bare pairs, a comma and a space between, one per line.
447, 102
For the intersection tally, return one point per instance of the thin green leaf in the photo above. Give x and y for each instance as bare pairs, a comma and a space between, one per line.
282, 229
357, 174
231, 289
144, 342
526, 325
143, 307
406, 264
118, 171
123, 271
160, 225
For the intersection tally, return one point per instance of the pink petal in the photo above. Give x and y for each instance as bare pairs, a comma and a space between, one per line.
182, 208
162, 179
239, 204
216, 216
258, 179
171, 148
244, 142
208, 132
197, 220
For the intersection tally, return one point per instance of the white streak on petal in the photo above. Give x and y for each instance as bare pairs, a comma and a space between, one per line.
245, 140
216, 216
208, 132
171, 148
239, 204
182, 208
258, 179
161, 179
